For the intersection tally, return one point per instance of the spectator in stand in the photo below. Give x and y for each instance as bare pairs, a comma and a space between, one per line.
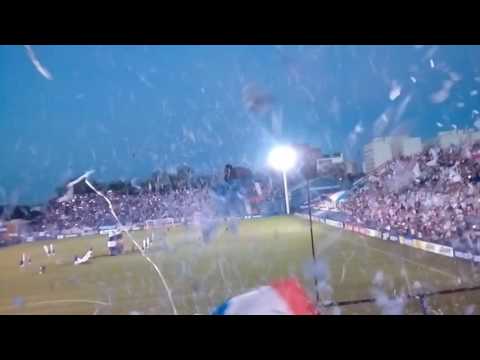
434, 195
90, 211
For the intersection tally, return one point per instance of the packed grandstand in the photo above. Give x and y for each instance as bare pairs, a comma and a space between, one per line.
431, 196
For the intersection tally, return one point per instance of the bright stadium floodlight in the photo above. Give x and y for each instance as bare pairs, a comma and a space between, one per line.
283, 158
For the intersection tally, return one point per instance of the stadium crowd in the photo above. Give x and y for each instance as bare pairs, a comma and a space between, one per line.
90, 211
434, 195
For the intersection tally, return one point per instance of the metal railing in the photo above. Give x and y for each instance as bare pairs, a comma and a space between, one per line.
420, 297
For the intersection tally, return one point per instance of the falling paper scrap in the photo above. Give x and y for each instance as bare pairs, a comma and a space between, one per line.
41, 69
358, 129
443, 94
69, 193
395, 91
67, 196
477, 124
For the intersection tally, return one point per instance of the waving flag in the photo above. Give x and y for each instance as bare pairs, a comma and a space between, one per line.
416, 170
434, 155
476, 155
283, 297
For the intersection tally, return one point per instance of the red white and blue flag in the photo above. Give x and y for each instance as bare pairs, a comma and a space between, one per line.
283, 297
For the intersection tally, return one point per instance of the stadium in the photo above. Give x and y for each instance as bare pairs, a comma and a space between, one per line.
306, 233
360, 267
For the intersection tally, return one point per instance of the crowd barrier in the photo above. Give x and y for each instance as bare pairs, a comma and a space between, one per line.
387, 236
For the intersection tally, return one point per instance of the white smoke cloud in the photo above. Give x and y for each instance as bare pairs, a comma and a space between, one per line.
389, 305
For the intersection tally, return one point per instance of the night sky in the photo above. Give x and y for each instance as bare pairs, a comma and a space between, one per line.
128, 110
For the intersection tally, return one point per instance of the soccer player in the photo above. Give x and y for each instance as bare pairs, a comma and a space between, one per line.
85, 258
23, 260
52, 250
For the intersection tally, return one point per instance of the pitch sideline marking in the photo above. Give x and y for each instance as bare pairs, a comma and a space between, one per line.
27, 304
414, 262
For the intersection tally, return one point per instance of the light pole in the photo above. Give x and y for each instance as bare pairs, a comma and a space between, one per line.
283, 158
285, 190
315, 280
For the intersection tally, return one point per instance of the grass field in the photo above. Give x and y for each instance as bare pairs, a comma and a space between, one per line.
202, 276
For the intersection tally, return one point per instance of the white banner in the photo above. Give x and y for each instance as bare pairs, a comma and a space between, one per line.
445, 250
329, 222
463, 255
418, 244
372, 233
393, 238
409, 242
109, 227
334, 223
433, 248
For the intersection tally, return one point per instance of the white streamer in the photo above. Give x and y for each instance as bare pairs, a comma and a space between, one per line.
41, 69
69, 193
162, 278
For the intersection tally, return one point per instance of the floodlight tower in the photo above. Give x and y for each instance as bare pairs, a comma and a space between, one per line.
283, 158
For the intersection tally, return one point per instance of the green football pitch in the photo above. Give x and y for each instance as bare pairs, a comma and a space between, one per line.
202, 275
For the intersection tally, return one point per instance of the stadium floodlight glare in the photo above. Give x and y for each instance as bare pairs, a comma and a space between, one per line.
283, 158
